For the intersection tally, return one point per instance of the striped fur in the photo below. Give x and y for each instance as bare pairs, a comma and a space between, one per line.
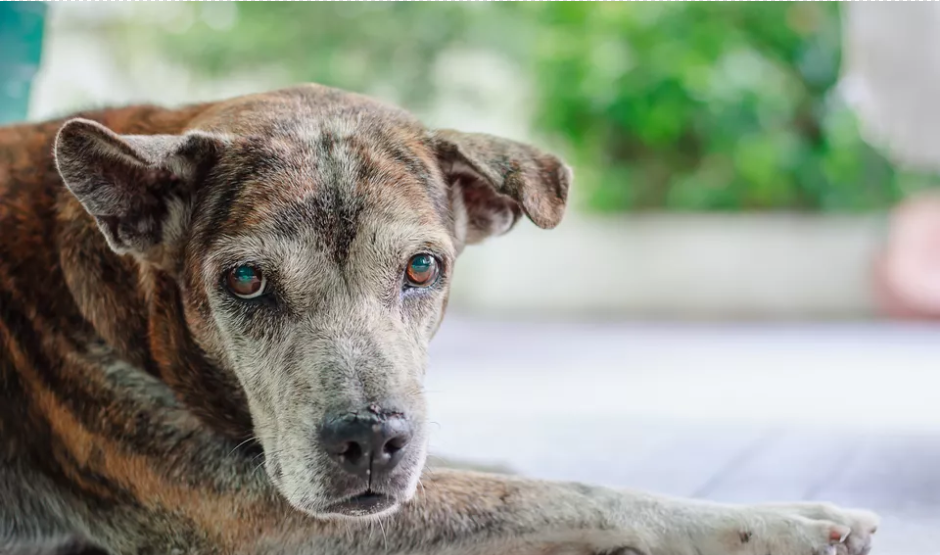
145, 410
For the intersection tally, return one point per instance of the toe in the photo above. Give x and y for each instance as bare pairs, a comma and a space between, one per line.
831, 537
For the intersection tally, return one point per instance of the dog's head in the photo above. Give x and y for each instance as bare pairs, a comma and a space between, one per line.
312, 235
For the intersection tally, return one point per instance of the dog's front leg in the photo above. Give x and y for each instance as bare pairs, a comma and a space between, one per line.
465, 513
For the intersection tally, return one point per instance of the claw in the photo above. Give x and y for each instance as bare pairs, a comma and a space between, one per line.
839, 536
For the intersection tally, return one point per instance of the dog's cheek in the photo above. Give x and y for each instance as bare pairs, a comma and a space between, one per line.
439, 319
200, 317
422, 313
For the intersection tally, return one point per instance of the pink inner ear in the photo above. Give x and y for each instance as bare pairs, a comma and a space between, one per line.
488, 213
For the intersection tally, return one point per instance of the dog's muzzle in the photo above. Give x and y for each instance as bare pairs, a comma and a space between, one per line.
367, 445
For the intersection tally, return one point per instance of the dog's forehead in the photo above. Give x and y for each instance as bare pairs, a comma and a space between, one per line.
322, 174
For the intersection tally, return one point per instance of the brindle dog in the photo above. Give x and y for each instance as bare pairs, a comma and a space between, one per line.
214, 322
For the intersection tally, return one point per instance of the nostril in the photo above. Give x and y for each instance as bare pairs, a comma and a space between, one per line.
352, 452
395, 445
363, 443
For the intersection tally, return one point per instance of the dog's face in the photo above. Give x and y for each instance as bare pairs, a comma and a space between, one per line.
312, 235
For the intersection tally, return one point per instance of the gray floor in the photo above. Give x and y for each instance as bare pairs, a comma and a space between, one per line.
743, 413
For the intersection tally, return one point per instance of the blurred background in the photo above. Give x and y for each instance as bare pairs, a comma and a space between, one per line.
740, 302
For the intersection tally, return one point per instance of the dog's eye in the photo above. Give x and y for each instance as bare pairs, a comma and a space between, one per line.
422, 271
245, 282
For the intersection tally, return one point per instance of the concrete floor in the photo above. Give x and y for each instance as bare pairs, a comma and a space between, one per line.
848, 413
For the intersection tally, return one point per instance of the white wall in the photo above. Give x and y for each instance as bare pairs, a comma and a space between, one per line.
685, 266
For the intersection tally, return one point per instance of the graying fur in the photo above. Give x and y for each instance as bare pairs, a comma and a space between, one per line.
335, 227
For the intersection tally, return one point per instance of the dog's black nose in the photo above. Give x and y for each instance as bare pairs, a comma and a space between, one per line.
366, 442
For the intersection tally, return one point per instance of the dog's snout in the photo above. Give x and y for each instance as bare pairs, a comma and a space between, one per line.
363, 444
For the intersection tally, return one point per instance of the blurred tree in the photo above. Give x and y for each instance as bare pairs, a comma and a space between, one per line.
357, 46
703, 106
675, 105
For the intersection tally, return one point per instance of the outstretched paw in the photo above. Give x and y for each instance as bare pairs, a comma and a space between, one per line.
861, 524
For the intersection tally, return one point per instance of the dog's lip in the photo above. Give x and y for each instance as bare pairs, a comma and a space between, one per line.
364, 504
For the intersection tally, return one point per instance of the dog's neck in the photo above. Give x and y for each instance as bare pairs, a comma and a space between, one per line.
136, 308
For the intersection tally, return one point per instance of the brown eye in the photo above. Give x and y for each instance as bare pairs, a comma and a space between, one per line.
245, 282
422, 271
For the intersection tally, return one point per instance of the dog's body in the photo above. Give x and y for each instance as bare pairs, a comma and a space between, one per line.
213, 334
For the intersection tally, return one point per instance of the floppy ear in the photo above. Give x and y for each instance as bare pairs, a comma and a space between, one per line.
133, 185
499, 179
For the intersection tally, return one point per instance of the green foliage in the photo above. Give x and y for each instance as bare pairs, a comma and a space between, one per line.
663, 105
708, 106
353, 45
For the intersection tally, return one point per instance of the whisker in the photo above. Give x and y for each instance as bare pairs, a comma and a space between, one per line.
252, 438
424, 493
384, 535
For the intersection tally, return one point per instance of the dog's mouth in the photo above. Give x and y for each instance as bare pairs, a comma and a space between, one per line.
368, 503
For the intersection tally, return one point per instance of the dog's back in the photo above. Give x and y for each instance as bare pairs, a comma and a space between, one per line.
35, 213
42, 486
28, 267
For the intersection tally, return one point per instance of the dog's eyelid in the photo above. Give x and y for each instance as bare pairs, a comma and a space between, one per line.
434, 249
223, 262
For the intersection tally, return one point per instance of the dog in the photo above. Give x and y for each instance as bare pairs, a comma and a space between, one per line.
214, 324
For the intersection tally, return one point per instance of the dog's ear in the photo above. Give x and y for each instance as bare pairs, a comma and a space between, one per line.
499, 179
135, 186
